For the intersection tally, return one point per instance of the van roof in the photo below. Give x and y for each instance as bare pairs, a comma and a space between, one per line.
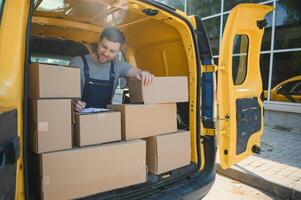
82, 21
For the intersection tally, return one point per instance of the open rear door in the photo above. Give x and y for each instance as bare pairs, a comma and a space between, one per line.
13, 27
240, 84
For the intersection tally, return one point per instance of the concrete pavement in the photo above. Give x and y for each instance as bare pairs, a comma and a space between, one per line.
228, 189
277, 170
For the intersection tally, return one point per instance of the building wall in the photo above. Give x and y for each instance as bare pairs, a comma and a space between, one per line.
280, 56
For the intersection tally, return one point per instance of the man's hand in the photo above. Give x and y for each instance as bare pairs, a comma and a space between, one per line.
78, 105
145, 77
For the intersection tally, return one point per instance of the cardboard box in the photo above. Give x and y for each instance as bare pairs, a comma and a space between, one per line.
141, 121
161, 90
50, 125
90, 170
168, 152
97, 128
52, 81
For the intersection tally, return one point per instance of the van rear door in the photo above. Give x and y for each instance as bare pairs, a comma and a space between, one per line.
13, 25
240, 84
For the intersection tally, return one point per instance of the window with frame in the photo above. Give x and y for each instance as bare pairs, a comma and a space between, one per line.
240, 59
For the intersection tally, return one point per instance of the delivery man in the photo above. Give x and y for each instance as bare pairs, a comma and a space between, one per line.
100, 71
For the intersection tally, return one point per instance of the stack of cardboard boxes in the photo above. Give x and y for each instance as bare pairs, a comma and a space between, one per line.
72, 171
106, 150
51, 89
153, 117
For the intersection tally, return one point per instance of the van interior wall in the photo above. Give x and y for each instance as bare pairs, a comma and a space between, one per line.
157, 47
154, 42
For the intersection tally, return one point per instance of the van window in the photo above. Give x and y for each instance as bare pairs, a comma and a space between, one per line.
1, 9
50, 60
240, 59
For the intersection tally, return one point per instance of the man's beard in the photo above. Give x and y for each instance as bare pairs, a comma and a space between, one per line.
98, 57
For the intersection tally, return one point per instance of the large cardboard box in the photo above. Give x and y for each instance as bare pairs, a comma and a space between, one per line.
97, 128
161, 90
52, 81
50, 126
90, 170
141, 121
168, 152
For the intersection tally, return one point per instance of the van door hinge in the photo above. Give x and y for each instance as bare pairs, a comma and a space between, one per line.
210, 131
214, 132
262, 23
211, 68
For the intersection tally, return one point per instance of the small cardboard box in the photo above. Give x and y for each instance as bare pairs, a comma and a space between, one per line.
141, 121
161, 90
53, 81
168, 152
90, 170
97, 128
50, 125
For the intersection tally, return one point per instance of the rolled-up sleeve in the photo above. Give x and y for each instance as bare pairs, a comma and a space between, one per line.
124, 68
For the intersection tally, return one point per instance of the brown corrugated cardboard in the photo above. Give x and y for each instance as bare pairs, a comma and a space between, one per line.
168, 152
97, 128
161, 90
52, 81
140, 121
50, 124
89, 170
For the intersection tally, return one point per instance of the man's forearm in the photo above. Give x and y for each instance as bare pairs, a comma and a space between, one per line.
133, 72
145, 77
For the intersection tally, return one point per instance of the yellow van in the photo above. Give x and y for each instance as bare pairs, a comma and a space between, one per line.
160, 39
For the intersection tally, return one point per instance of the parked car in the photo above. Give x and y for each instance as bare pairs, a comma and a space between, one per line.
286, 91
160, 39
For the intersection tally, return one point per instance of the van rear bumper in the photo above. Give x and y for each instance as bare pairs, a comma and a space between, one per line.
193, 188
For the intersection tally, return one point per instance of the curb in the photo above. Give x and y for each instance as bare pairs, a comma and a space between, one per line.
277, 189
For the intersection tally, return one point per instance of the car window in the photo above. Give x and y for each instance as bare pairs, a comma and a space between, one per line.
296, 90
287, 87
1, 9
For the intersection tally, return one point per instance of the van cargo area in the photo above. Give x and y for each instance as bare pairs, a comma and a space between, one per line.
158, 39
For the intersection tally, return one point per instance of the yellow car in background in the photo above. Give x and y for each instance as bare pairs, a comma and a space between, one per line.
287, 91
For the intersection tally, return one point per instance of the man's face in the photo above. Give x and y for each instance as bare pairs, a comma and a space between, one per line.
107, 50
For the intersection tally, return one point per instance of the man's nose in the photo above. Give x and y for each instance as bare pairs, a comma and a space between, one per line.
107, 53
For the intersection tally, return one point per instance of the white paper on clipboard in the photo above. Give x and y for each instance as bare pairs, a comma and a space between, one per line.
93, 110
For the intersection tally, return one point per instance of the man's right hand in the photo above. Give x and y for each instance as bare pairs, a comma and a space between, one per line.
79, 105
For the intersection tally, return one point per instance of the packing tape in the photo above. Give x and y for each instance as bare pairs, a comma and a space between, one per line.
101, 116
46, 180
43, 126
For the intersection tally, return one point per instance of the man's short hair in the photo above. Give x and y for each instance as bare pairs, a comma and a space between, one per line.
113, 35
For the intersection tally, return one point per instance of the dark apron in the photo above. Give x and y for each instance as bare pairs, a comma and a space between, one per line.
97, 93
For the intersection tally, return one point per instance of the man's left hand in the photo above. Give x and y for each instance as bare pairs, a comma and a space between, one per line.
145, 77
